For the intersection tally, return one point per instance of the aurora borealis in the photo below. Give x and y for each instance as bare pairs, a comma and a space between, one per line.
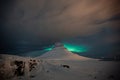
71, 47
75, 48
49, 48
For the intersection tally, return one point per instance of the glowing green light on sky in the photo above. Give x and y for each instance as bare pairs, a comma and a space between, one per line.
71, 47
49, 48
75, 48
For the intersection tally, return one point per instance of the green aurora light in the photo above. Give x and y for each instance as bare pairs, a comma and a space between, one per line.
75, 48
49, 49
71, 47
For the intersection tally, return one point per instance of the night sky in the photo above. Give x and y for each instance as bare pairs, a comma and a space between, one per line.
86, 27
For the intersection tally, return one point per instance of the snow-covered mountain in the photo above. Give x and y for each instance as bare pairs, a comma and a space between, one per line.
61, 53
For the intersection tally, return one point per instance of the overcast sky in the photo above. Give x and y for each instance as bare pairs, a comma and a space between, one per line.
44, 22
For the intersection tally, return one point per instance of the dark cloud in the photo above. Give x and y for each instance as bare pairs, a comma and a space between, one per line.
113, 18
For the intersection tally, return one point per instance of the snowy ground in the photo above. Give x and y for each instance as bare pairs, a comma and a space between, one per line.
78, 70
48, 69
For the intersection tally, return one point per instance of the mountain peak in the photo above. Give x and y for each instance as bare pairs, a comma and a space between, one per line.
59, 52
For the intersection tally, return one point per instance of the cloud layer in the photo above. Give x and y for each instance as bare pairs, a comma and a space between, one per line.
57, 19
